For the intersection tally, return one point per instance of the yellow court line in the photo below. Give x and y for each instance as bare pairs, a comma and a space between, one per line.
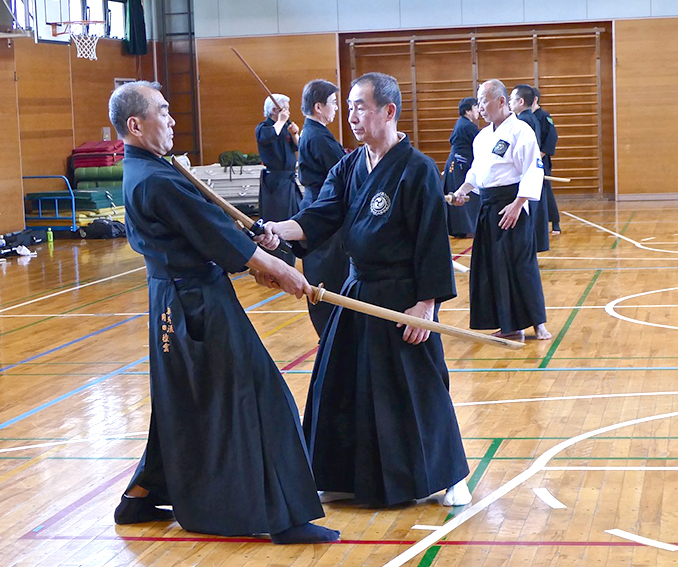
288, 322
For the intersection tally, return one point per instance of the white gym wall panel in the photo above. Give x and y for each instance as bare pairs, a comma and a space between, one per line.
224, 18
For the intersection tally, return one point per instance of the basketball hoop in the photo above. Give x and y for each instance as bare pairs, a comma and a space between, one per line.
85, 34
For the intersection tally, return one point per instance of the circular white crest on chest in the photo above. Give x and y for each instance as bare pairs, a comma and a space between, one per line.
380, 204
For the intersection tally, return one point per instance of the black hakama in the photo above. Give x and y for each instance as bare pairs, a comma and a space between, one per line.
319, 151
279, 194
549, 140
538, 209
379, 419
461, 221
505, 285
225, 445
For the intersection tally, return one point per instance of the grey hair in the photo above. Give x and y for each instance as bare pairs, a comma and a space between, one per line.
385, 90
496, 88
269, 106
126, 101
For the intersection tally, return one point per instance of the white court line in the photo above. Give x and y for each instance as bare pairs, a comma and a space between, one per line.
72, 315
536, 467
614, 469
648, 239
286, 311
71, 442
598, 258
74, 288
643, 540
610, 309
547, 498
562, 398
620, 236
425, 527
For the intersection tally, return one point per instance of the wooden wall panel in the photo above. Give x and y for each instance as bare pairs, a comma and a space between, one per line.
93, 84
562, 60
11, 193
231, 102
45, 110
646, 55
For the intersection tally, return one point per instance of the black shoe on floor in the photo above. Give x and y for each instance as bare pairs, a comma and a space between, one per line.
138, 510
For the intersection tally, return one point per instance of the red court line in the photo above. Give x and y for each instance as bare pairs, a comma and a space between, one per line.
300, 359
463, 253
196, 539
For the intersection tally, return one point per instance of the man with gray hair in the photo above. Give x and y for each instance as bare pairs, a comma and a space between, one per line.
225, 447
379, 421
505, 284
277, 140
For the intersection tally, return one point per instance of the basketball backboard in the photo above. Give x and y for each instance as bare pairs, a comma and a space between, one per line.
48, 12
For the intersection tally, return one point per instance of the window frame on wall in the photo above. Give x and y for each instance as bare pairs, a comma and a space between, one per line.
24, 12
106, 15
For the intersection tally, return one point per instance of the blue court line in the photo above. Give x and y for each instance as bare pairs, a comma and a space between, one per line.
265, 301
71, 393
574, 369
55, 349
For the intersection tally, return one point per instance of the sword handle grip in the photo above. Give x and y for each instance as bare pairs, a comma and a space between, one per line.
258, 228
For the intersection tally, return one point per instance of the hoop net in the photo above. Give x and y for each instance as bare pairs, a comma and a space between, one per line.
85, 35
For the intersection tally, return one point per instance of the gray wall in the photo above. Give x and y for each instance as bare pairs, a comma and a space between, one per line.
232, 18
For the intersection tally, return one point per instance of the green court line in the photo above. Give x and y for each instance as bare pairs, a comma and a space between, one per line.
623, 230
545, 362
561, 438
552, 358
590, 458
73, 309
432, 552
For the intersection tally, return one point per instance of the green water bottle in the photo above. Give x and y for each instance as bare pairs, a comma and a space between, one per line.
50, 235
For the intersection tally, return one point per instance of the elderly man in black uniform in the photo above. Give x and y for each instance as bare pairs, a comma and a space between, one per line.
379, 420
549, 139
277, 140
319, 152
520, 102
461, 222
505, 284
225, 447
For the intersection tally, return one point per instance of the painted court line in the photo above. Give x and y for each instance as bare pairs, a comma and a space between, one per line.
642, 540
563, 398
217, 539
424, 527
547, 498
620, 236
295, 311
535, 468
68, 344
73, 441
611, 307
612, 469
74, 288
71, 393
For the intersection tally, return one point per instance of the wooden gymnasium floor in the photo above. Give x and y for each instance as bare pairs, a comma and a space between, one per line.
567, 439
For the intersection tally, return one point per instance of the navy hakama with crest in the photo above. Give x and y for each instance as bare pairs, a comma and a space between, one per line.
225, 445
461, 220
379, 419
319, 151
